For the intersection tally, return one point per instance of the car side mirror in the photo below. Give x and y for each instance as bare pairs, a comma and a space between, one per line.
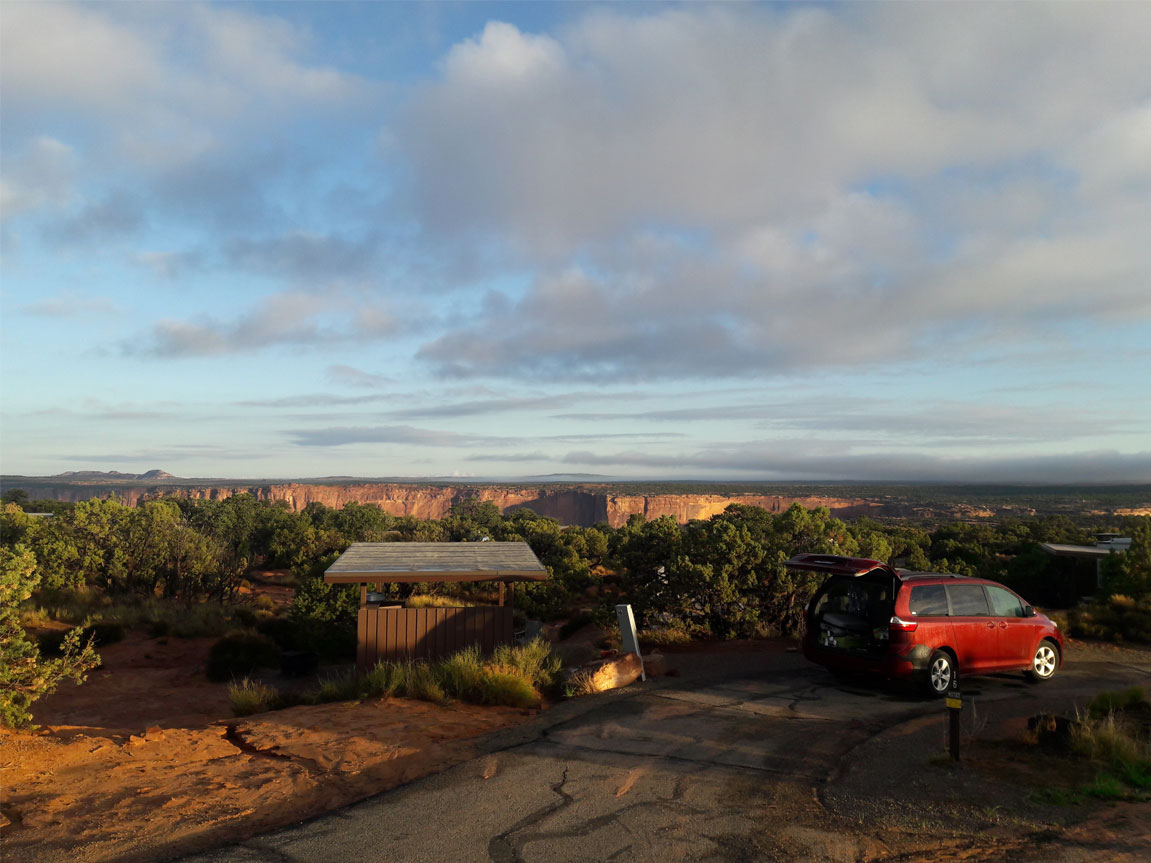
1028, 611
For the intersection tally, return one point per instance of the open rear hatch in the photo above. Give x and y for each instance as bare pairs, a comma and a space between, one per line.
851, 613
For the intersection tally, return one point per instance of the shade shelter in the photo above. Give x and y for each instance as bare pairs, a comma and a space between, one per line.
390, 632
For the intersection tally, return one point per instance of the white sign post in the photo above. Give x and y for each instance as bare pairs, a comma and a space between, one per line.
629, 641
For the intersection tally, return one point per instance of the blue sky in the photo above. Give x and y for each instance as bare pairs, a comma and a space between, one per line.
760, 242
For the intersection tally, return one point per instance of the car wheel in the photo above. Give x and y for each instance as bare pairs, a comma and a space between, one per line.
1045, 661
940, 673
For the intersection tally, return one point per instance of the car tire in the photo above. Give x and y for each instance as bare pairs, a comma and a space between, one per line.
1045, 662
940, 673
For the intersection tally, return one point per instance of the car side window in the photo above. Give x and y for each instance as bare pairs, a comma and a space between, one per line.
967, 600
928, 600
1004, 603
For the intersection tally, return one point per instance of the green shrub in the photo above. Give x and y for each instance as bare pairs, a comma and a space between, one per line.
575, 623
334, 641
1105, 787
239, 654
1118, 619
103, 633
1111, 701
460, 675
249, 696
342, 687
50, 643
384, 680
420, 682
25, 674
263, 602
245, 616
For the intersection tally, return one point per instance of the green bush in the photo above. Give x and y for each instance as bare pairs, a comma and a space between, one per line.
25, 674
102, 633
1117, 618
331, 640
239, 654
1114, 701
343, 687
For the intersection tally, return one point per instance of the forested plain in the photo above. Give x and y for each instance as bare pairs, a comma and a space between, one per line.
177, 567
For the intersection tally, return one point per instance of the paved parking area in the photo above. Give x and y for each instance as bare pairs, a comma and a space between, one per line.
676, 770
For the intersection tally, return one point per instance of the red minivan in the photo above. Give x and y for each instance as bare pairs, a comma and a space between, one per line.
870, 617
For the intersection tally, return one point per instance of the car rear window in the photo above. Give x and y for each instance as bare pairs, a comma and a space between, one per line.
866, 598
928, 600
1004, 603
967, 600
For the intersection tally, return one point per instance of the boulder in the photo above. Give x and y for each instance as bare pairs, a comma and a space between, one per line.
614, 672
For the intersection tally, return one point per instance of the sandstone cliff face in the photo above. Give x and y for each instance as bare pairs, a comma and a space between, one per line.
583, 507
686, 507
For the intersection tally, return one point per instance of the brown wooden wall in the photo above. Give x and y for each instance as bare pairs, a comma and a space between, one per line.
429, 633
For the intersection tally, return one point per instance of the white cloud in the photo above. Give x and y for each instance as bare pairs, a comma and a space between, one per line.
716, 191
159, 84
40, 176
503, 56
72, 305
288, 319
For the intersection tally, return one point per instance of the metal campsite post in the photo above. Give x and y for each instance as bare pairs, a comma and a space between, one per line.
954, 710
628, 640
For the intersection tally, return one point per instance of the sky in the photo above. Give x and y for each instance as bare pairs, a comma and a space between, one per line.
878, 242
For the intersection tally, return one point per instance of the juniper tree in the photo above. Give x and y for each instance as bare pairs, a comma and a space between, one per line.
25, 675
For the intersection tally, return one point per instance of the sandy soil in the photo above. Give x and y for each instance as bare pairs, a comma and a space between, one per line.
144, 760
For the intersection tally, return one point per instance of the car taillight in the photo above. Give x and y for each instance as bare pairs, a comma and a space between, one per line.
898, 624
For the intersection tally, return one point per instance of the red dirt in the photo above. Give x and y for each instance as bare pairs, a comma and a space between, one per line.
145, 761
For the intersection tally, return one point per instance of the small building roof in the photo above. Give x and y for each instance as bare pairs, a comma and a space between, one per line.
384, 562
1091, 552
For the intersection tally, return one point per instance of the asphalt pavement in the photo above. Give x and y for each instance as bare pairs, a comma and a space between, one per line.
776, 761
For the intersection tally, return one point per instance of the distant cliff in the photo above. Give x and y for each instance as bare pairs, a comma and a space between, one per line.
570, 506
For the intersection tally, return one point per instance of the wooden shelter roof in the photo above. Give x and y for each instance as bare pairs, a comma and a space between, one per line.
384, 562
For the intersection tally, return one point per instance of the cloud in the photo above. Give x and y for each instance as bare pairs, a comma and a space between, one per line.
396, 434
70, 306
161, 82
197, 108
737, 191
821, 461
42, 175
170, 265
319, 400
932, 423
303, 257
109, 218
484, 406
353, 377
291, 318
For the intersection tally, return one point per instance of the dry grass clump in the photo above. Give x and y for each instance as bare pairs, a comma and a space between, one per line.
580, 683
664, 636
514, 676
431, 600
250, 696
1116, 735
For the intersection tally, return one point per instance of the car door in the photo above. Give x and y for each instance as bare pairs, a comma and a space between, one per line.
1015, 634
974, 629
